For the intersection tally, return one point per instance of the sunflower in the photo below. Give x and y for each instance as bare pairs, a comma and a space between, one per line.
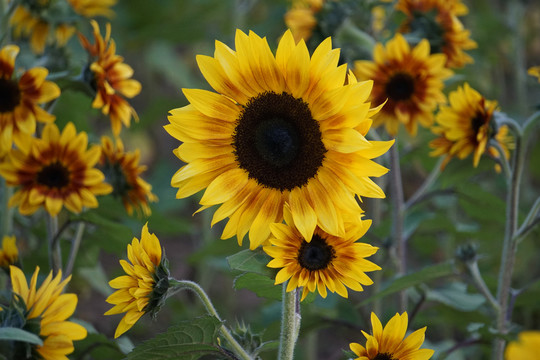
50, 308
437, 21
9, 253
110, 77
122, 170
143, 287
20, 99
280, 129
323, 260
300, 18
534, 71
467, 125
390, 343
410, 81
526, 347
93, 8
55, 171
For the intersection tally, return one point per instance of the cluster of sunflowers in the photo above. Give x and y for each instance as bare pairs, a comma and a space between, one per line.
284, 147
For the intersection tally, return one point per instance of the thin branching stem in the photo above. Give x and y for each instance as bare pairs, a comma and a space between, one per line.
432, 177
75, 244
480, 284
55, 253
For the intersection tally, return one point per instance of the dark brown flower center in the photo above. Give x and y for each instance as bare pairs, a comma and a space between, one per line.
383, 356
115, 175
400, 87
55, 175
316, 254
278, 142
10, 95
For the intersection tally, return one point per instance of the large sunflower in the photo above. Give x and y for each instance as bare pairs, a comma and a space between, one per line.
50, 308
280, 129
390, 343
410, 81
20, 99
141, 290
437, 21
526, 346
466, 126
122, 170
111, 79
55, 170
323, 260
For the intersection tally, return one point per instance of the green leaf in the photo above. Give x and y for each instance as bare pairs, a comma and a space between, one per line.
189, 340
253, 261
420, 277
15, 334
261, 285
96, 278
455, 295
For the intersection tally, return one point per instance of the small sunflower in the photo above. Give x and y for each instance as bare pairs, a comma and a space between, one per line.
410, 81
122, 170
280, 129
50, 308
466, 126
9, 253
110, 77
526, 346
93, 8
143, 287
534, 71
322, 261
300, 18
390, 343
437, 21
56, 170
20, 99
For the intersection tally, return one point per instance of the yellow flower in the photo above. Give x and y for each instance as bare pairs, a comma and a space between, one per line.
390, 343
143, 287
51, 308
300, 18
534, 71
93, 8
410, 81
111, 79
122, 170
9, 253
20, 99
55, 170
437, 21
322, 261
526, 347
280, 129
466, 126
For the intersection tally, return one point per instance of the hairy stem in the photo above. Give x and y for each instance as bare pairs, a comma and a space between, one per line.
290, 324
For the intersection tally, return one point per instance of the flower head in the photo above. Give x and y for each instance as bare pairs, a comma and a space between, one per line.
280, 129
54, 171
50, 309
410, 81
466, 126
9, 253
526, 346
143, 287
93, 8
111, 79
20, 99
300, 18
122, 171
534, 71
390, 343
437, 21
322, 261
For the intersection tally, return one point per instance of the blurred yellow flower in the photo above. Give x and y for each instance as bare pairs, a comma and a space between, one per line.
143, 287
9, 253
122, 171
534, 71
20, 99
407, 81
390, 343
527, 346
54, 171
93, 8
51, 309
300, 18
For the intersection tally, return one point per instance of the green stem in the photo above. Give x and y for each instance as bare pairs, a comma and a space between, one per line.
75, 244
398, 216
7, 212
55, 254
193, 286
426, 185
290, 324
481, 285
502, 160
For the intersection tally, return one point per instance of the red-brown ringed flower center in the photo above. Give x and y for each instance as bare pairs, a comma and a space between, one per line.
316, 254
278, 142
54, 175
10, 95
383, 356
479, 120
400, 87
